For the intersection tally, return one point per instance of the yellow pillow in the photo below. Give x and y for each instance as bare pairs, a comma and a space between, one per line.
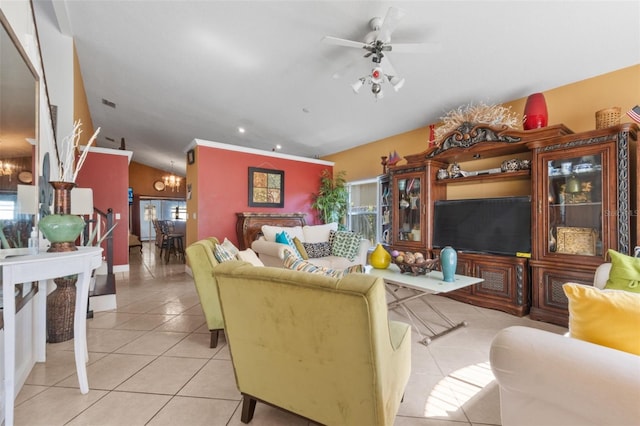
300, 247
605, 317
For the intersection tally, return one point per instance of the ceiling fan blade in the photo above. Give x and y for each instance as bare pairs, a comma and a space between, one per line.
391, 20
343, 42
387, 68
415, 47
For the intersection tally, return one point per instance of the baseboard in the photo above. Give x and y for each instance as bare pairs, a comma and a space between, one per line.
105, 302
120, 268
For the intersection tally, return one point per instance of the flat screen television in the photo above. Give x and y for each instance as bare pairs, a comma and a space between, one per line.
487, 225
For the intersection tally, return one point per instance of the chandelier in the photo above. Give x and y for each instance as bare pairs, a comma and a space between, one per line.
376, 79
172, 181
6, 169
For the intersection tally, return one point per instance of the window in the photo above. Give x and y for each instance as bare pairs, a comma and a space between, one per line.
362, 215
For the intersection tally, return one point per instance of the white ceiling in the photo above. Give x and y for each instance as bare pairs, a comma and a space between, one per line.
179, 70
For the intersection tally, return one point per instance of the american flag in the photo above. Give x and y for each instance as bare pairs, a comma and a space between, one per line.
634, 113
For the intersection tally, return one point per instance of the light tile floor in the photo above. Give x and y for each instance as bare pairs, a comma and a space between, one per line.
150, 364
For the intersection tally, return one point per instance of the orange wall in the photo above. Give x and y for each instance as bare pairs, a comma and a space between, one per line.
141, 179
573, 105
107, 175
80, 105
222, 189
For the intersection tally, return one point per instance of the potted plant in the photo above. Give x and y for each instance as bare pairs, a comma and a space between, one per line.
332, 198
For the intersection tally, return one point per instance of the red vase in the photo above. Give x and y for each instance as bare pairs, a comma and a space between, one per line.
535, 112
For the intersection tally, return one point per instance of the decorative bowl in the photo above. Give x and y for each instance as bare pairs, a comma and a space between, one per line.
427, 265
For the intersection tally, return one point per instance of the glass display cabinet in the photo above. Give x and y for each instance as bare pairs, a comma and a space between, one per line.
576, 217
408, 210
384, 216
584, 195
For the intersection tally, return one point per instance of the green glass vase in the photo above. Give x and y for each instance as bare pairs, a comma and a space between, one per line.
62, 228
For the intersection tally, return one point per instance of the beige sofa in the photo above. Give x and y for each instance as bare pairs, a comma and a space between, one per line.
551, 379
272, 253
317, 346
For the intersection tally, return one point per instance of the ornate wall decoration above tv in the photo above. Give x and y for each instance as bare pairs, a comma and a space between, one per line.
266, 187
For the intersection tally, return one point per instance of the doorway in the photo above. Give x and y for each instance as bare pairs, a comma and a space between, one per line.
174, 209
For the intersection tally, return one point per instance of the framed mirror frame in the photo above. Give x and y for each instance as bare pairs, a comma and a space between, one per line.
19, 153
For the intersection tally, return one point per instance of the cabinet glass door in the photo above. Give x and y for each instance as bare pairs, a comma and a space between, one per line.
408, 208
575, 205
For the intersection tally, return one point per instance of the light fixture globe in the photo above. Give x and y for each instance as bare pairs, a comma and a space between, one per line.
376, 88
358, 85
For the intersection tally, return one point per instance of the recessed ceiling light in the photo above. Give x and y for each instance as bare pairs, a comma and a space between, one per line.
278, 146
241, 130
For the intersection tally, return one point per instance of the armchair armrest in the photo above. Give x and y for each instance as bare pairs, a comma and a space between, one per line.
269, 248
363, 252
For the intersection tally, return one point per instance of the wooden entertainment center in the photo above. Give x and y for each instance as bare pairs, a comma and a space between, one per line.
583, 190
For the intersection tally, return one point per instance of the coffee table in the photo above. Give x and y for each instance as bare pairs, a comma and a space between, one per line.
422, 286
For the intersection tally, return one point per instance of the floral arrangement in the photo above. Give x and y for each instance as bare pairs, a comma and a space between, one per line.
495, 115
65, 154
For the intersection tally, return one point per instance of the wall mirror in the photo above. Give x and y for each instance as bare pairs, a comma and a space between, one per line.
18, 146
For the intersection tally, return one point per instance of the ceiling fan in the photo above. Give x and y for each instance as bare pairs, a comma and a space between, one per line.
376, 44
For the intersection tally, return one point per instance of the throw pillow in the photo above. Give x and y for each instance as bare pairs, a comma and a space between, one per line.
605, 317
230, 247
297, 264
315, 250
222, 254
625, 272
250, 256
300, 247
284, 238
346, 244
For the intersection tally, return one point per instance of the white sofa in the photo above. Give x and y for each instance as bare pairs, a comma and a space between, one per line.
272, 253
551, 379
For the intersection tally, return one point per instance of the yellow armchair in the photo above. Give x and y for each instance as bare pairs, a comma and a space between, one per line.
202, 261
319, 347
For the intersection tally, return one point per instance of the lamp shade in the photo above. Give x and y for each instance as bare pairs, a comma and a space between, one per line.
82, 201
27, 199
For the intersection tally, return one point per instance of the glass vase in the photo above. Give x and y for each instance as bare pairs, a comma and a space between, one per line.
449, 263
62, 228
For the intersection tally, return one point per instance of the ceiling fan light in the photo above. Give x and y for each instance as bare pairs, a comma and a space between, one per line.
396, 83
377, 76
357, 85
376, 88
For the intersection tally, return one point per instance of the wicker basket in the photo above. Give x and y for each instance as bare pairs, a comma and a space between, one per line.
607, 117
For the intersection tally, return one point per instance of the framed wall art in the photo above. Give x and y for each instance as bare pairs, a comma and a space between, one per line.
266, 187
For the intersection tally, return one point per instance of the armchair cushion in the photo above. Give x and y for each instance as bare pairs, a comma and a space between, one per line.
605, 317
624, 273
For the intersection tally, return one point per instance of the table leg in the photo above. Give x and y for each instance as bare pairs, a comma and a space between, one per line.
402, 302
80, 329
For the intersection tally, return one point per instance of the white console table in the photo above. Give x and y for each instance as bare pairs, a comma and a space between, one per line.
43, 267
